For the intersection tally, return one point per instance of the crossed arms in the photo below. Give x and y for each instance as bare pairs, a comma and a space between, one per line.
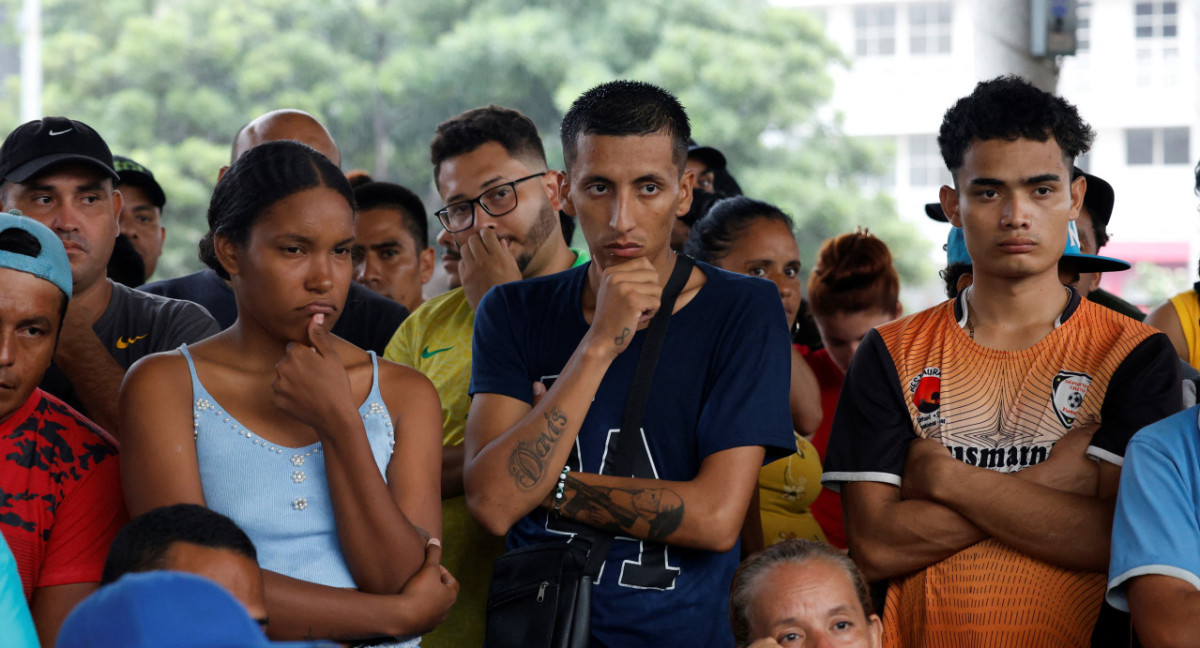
1059, 511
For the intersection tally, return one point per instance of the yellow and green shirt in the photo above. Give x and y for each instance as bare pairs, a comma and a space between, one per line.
436, 340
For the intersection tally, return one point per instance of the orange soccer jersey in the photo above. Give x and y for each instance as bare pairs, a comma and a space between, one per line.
1001, 410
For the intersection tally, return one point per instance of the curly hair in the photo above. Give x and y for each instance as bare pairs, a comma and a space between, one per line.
951, 274
1009, 107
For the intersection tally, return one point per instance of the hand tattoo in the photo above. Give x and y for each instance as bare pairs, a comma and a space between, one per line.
527, 463
620, 339
650, 513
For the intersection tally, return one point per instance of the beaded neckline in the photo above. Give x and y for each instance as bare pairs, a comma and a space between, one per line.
299, 454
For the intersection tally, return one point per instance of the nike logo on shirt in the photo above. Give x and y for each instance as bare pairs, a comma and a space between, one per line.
123, 343
426, 353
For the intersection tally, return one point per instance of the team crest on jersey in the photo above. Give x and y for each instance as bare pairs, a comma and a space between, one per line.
926, 391
1068, 390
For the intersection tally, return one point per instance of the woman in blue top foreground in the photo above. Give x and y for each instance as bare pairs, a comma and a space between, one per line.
326, 456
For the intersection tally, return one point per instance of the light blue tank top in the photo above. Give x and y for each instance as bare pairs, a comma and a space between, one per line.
279, 495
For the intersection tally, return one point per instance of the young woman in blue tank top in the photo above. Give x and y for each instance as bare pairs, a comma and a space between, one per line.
325, 455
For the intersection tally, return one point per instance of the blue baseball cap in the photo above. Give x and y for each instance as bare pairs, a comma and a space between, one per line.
956, 252
50, 264
1089, 262
956, 248
163, 608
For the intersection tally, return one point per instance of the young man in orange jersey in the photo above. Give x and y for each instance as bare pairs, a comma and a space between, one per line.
978, 444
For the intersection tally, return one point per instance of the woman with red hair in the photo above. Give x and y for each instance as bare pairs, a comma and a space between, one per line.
852, 289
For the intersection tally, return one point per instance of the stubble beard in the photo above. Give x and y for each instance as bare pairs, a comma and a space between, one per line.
537, 236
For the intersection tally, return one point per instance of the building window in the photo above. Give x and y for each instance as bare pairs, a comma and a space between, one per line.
1176, 145
1156, 19
1145, 146
929, 26
1156, 27
875, 30
1083, 27
1169, 71
925, 165
1139, 146
1144, 67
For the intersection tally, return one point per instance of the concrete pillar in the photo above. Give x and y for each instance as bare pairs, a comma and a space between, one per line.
31, 60
1002, 44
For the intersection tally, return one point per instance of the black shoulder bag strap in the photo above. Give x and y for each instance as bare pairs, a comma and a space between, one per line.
622, 463
635, 405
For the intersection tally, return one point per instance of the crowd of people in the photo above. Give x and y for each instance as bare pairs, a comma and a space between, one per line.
300, 442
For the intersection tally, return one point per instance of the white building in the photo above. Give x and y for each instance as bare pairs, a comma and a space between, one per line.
1134, 78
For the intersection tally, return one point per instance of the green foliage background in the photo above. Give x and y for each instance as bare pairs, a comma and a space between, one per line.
169, 82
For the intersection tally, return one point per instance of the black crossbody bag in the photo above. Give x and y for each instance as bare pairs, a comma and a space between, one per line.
541, 594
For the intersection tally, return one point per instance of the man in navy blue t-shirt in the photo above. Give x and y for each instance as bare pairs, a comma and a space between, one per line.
719, 395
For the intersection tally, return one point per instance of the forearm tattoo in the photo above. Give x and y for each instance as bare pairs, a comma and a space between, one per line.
650, 513
620, 339
527, 463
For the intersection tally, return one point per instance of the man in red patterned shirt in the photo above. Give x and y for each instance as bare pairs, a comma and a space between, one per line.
60, 490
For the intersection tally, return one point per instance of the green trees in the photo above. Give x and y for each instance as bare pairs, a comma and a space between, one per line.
168, 82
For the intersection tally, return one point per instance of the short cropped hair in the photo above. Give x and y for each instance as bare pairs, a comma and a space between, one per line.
747, 580
358, 178
143, 544
1009, 107
387, 195
626, 108
470, 130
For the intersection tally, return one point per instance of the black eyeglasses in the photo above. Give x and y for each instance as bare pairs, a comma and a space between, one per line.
497, 201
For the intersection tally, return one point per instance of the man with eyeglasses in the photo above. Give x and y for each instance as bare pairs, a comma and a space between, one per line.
501, 209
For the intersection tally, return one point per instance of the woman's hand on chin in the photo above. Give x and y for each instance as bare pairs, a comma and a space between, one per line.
311, 383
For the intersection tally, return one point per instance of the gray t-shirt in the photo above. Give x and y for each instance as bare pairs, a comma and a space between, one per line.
134, 325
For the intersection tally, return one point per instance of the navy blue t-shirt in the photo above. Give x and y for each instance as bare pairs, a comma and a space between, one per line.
722, 382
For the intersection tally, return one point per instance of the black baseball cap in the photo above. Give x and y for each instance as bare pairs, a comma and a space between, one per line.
130, 172
711, 157
35, 145
1099, 198
934, 211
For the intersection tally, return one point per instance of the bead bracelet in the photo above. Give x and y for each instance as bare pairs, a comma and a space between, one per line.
558, 492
